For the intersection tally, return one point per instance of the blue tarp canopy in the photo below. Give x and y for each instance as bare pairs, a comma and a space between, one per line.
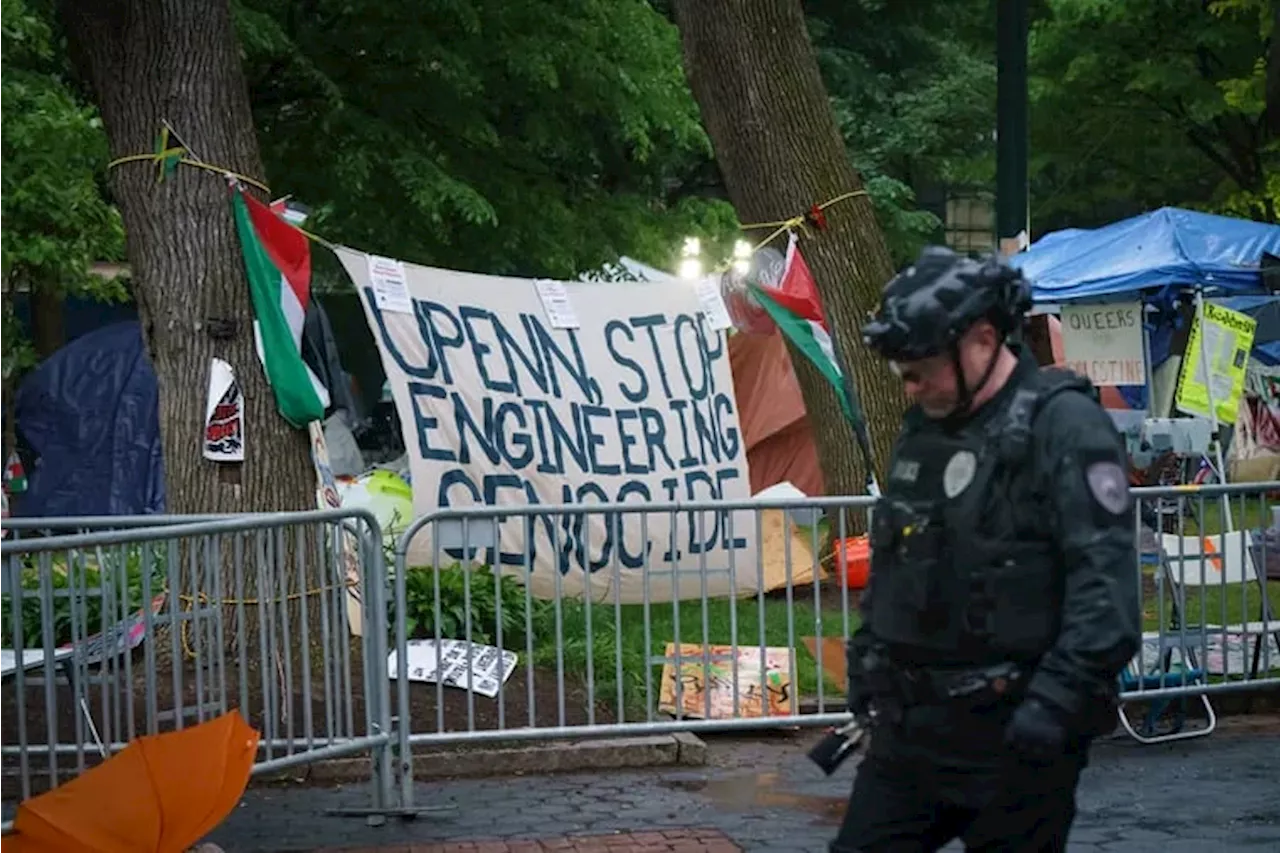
1168, 248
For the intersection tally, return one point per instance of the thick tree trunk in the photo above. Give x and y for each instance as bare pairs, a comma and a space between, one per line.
149, 61
756, 80
47, 330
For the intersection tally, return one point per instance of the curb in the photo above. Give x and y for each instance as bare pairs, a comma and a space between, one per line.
675, 750
1259, 700
682, 749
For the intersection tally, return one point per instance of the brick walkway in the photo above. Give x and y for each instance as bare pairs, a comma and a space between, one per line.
667, 841
1212, 794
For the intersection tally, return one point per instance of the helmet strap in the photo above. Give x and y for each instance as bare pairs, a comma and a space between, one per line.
965, 397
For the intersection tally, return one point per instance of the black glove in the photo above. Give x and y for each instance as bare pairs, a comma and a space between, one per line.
859, 694
1036, 733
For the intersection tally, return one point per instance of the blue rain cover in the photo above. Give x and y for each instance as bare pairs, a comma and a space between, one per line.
1266, 310
1169, 247
91, 412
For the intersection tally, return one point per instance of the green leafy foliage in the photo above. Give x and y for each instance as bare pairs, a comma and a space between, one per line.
468, 598
57, 219
913, 87
488, 135
614, 645
1148, 103
76, 591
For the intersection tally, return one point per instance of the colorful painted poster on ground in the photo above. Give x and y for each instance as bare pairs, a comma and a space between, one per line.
503, 406
706, 682
1104, 342
1227, 338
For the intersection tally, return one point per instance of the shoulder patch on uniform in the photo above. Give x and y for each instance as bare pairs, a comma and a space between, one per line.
1109, 486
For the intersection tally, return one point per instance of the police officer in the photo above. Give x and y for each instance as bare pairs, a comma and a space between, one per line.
1003, 600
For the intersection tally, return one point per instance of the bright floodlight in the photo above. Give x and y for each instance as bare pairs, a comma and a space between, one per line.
692, 247
742, 266
691, 268
742, 251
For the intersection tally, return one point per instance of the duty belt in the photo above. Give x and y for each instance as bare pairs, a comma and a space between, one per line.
932, 686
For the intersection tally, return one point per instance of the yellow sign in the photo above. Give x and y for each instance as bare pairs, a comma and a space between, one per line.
1227, 339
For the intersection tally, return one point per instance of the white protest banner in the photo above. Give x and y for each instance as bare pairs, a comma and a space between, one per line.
1104, 342
636, 404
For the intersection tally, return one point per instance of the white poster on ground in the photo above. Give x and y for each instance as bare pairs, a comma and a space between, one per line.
1104, 342
501, 408
455, 663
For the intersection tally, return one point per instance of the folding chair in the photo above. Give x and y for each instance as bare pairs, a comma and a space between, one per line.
1157, 726
1153, 669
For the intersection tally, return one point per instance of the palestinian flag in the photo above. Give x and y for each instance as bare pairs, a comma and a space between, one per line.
277, 258
796, 308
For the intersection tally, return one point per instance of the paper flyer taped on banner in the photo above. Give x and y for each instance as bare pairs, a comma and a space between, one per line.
713, 305
488, 667
557, 305
390, 289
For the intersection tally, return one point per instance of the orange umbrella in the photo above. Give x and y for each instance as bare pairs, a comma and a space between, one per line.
161, 793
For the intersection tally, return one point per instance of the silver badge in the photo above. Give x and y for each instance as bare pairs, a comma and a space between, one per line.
959, 473
1109, 486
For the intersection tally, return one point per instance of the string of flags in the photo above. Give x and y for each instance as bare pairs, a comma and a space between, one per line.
277, 258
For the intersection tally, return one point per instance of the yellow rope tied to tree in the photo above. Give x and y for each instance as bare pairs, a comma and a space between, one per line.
813, 215
168, 157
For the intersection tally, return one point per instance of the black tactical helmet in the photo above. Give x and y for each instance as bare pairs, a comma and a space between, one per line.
929, 305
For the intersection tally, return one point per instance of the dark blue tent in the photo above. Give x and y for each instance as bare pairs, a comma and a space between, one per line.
1168, 248
1266, 311
90, 412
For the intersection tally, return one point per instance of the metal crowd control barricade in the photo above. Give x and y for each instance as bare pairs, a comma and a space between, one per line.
1208, 606
520, 652
147, 624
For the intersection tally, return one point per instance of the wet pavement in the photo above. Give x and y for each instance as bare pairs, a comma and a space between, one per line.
1220, 793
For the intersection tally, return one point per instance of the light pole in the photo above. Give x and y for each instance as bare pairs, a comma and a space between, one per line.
1013, 214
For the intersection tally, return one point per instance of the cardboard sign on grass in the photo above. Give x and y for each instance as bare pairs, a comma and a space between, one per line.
706, 684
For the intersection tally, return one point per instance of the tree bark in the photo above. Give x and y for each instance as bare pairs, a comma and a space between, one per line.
756, 80
148, 61
48, 331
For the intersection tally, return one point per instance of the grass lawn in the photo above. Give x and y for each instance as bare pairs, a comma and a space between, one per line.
618, 650
1248, 512
609, 649
1213, 605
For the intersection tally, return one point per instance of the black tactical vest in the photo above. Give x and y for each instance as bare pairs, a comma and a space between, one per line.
963, 567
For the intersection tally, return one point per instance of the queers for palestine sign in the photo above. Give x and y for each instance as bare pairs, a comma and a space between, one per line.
501, 408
